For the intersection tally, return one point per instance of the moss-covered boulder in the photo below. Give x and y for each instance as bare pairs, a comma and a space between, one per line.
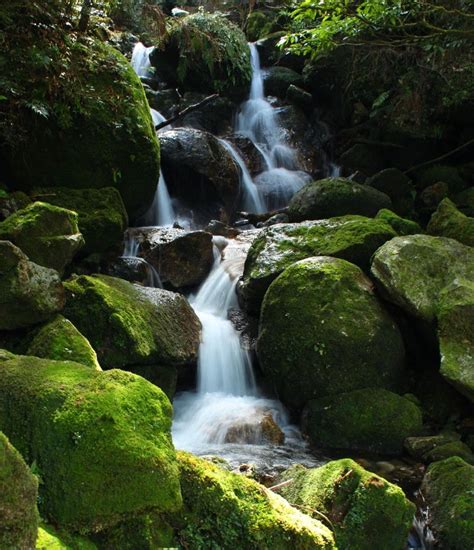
18, 495
323, 332
331, 197
29, 293
132, 325
448, 221
226, 510
48, 235
91, 126
401, 226
448, 487
59, 339
412, 271
419, 446
102, 217
454, 448
367, 511
372, 419
101, 441
353, 238
51, 539
204, 52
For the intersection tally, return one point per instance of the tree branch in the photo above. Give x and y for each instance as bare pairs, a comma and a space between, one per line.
442, 157
184, 112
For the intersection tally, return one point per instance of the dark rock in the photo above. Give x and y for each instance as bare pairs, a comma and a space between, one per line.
11, 202
362, 158
277, 80
397, 186
135, 270
299, 97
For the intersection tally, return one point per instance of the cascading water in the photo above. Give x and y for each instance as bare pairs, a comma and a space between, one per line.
258, 121
141, 59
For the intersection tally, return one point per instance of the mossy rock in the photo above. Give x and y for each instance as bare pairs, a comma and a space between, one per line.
448, 487
371, 420
412, 271
417, 447
47, 234
224, 510
277, 80
402, 226
365, 510
258, 25
98, 131
323, 332
102, 217
18, 495
352, 238
51, 539
449, 222
59, 339
132, 325
332, 197
11, 202
204, 52
398, 187
453, 448
29, 293
163, 376
100, 441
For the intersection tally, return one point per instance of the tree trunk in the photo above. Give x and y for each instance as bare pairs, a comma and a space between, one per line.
85, 16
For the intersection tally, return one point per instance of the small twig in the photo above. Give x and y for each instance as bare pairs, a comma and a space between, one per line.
184, 112
442, 157
280, 485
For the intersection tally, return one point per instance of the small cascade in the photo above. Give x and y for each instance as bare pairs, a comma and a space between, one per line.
131, 245
252, 201
141, 59
258, 121
130, 254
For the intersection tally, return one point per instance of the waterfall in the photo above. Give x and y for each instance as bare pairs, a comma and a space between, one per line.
252, 201
258, 121
130, 253
141, 59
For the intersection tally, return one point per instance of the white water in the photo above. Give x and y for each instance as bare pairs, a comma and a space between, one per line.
141, 59
252, 201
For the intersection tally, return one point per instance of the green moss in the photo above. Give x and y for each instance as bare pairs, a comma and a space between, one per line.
163, 376
225, 510
258, 25
402, 226
323, 331
366, 511
18, 494
59, 339
132, 325
447, 450
449, 222
352, 238
100, 441
51, 539
372, 419
102, 217
47, 234
448, 488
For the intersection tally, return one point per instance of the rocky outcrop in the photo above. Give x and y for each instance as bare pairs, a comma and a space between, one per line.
29, 293
324, 332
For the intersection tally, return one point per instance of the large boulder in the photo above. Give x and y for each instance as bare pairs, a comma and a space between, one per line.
181, 258
132, 325
48, 235
371, 420
93, 127
59, 339
200, 171
336, 197
240, 513
29, 293
366, 511
18, 496
448, 221
101, 440
353, 238
448, 487
102, 217
324, 332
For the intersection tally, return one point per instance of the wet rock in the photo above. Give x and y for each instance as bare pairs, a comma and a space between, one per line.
102, 217
262, 428
324, 332
251, 155
48, 235
163, 101
29, 293
59, 339
366, 511
135, 270
448, 221
181, 258
370, 420
277, 80
447, 488
277, 186
133, 325
397, 186
362, 158
264, 519
200, 171
215, 227
273, 220
18, 497
215, 117
353, 238
87, 431
336, 197
299, 97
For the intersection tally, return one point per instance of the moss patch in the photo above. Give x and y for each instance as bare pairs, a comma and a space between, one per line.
448, 221
401, 226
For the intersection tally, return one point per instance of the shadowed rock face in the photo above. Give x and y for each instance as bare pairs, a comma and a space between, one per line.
200, 171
